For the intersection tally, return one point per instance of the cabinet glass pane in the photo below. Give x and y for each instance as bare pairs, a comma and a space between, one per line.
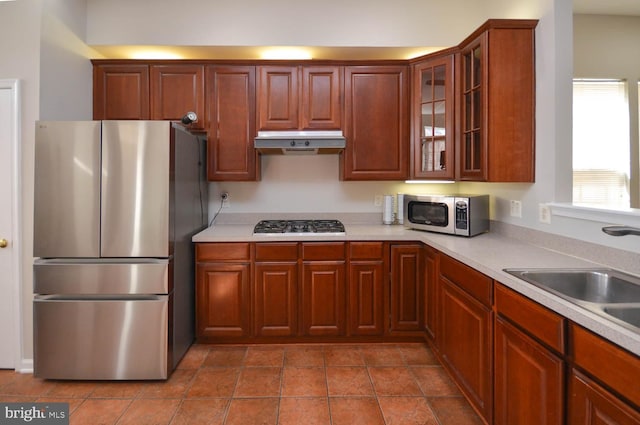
477, 108
477, 73
467, 66
439, 79
439, 118
468, 149
433, 154
467, 111
477, 148
427, 85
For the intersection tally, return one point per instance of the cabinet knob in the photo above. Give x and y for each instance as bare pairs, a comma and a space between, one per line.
4, 243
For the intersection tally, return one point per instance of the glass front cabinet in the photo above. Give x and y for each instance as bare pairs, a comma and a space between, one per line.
433, 118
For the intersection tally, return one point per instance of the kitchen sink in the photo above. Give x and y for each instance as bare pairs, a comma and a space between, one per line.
609, 293
602, 286
630, 315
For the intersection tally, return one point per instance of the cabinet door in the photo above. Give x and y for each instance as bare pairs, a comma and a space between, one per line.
529, 380
406, 288
376, 123
472, 148
465, 344
590, 404
176, 90
433, 120
366, 298
222, 300
231, 117
323, 299
278, 98
431, 292
121, 92
497, 103
321, 106
276, 299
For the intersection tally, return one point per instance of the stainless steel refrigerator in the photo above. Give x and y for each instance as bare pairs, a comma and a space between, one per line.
116, 204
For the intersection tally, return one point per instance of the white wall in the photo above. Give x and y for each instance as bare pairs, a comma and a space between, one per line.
20, 50
41, 45
282, 22
66, 75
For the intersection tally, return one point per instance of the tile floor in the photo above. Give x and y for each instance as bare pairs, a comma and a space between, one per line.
268, 384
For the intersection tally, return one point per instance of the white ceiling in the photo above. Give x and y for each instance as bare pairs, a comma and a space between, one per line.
607, 7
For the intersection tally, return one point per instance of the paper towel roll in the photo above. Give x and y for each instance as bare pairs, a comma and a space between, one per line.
400, 208
387, 209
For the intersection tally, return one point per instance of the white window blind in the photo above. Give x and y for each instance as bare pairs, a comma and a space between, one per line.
601, 143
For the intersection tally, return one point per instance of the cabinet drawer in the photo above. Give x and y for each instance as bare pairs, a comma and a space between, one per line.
365, 250
538, 321
277, 251
222, 251
472, 281
613, 366
323, 251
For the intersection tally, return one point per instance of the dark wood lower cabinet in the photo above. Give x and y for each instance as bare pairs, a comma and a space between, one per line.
323, 299
529, 380
222, 301
276, 299
431, 292
406, 288
465, 345
591, 404
366, 295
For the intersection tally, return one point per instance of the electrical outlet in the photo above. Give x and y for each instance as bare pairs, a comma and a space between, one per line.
225, 199
544, 213
516, 209
377, 200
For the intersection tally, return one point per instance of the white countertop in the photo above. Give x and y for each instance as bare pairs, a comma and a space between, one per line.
488, 253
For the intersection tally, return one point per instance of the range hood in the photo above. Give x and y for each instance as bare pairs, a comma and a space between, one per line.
299, 142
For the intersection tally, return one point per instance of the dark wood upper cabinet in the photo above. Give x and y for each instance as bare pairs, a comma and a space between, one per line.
496, 103
299, 97
376, 123
231, 124
433, 121
176, 90
321, 107
121, 92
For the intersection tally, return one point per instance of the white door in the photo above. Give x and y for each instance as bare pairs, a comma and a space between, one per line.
9, 243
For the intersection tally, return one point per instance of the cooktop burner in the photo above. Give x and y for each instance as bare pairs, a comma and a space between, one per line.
299, 227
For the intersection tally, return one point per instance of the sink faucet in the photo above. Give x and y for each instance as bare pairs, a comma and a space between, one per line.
621, 230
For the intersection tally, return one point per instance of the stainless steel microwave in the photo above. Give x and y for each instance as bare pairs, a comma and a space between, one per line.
464, 215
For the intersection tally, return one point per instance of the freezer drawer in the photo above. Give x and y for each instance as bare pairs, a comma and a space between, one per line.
62, 276
98, 339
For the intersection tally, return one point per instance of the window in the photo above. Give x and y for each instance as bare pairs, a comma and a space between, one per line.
601, 143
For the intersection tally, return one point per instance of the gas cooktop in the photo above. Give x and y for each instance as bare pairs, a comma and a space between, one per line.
299, 227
